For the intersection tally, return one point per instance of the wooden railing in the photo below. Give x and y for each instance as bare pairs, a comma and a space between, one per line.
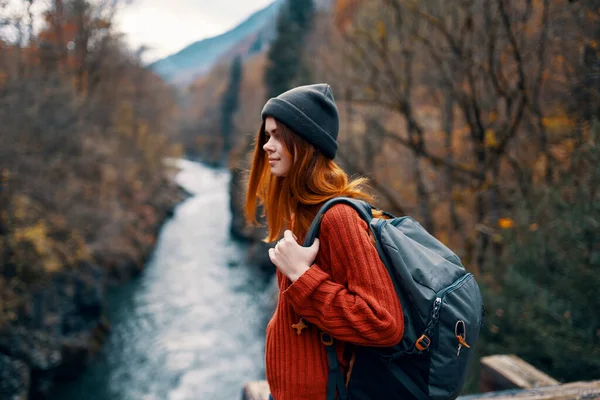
500, 377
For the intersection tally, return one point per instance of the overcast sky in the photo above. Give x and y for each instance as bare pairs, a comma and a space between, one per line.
166, 26
169, 25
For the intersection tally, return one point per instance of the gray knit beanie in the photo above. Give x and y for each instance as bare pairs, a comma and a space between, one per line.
309, 111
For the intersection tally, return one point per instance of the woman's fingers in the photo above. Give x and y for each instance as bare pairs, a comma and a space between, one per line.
288, 235
272, 255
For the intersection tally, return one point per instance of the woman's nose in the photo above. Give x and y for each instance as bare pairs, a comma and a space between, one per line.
268, 147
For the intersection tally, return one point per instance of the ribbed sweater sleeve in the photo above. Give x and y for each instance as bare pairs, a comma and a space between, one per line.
356, 301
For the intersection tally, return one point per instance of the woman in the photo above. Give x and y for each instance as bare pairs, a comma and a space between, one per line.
338, 285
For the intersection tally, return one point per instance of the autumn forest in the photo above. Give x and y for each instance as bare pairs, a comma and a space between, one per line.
480, 118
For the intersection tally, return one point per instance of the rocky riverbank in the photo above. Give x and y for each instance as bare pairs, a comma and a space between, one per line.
52, 290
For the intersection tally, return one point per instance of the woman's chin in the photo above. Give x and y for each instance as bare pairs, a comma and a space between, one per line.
277, 173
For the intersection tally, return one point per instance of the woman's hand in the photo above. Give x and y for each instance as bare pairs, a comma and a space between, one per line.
291, 258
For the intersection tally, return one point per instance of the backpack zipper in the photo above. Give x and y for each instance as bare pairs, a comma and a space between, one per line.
437, 303
442, 293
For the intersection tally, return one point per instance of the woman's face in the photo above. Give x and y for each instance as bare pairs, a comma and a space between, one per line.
280, 159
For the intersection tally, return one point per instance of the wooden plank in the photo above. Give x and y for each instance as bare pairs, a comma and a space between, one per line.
569, 391
259, 390
501, 372
256, 390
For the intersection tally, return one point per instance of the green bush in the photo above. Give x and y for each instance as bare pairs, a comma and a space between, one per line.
543, 302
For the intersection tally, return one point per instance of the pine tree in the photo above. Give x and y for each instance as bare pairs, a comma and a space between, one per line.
286, 68
229, 104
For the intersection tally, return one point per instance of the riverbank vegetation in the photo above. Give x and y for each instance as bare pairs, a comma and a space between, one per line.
84, 130
481, 119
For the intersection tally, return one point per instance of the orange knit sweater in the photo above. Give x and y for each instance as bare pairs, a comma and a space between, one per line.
347, 292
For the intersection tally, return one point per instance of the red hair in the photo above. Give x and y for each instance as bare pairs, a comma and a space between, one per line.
312, 180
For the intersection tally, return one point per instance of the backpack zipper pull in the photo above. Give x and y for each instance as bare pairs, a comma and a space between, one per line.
299, 326
462, 342
460, 331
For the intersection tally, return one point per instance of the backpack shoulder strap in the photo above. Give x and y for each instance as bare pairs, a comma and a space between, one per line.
362, 208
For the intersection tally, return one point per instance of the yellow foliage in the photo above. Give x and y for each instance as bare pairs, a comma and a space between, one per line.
381, 31
558, 122
591, 15
444, 238
569, 145
562, 151
81, 252
458, 196
506, 223
539, 168
344, 11
36, 235
51, 264
491, 142
493, 116
29, 228
486, 185
5, 174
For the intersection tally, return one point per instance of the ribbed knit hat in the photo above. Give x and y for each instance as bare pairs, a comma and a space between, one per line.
309, 111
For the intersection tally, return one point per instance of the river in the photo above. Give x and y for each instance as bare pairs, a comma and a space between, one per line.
192, 325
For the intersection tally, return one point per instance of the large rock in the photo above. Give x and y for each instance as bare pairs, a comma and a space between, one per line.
15, 379
258, 254
39, 350
78, 350
257, 250
58, 328
34, 355
237, 196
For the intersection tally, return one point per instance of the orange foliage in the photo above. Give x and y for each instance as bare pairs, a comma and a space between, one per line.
344, 11
68, 35
506, 223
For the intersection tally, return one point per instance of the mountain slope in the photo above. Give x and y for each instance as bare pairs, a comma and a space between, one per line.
200, 56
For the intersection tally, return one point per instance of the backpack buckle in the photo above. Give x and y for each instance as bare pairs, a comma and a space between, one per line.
326, 339
423, 343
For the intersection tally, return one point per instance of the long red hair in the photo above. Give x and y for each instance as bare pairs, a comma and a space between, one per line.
312, 180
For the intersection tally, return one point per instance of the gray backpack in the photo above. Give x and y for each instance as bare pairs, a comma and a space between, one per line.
443, 313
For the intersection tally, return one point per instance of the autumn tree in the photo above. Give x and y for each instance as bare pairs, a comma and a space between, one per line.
85, 129
484, 112
469, 90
